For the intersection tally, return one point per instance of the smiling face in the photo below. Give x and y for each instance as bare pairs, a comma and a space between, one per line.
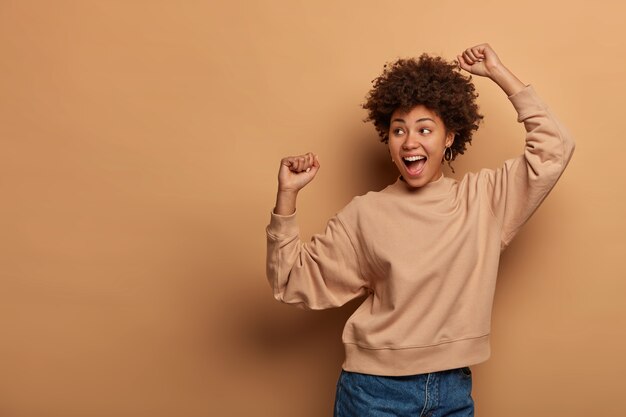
417, 140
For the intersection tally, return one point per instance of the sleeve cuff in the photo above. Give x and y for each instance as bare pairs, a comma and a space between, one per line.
526, 102
282, 226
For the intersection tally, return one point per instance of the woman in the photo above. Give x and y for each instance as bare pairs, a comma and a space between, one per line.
425, 249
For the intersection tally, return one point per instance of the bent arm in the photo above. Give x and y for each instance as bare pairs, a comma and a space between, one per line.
319, 274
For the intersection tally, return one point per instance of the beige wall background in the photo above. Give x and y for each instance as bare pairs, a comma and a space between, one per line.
140, 142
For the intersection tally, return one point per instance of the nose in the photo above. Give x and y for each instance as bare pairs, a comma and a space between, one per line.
411, 141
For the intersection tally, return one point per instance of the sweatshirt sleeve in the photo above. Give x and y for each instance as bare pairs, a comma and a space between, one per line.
315, 275
517, 189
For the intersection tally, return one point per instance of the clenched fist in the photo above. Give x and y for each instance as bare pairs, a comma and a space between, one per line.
480, 60
297, 171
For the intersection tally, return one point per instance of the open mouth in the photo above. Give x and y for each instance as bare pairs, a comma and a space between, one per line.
414, 164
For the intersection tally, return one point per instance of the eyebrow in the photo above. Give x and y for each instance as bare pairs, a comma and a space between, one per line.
418, 120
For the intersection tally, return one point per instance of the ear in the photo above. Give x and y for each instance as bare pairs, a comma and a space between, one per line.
450, 138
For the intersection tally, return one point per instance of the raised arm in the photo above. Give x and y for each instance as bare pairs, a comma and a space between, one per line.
319, 274
516, 190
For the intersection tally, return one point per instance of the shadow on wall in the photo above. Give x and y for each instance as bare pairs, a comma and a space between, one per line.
288, 329
286, 359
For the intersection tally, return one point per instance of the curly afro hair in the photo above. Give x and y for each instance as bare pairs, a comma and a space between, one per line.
432, 82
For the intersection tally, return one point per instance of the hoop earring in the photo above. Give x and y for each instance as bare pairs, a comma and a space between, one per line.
447, 154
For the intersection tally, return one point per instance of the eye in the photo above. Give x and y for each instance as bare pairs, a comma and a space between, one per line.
425, 130
398, 131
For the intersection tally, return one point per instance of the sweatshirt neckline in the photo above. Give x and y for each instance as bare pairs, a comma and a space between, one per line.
440, 186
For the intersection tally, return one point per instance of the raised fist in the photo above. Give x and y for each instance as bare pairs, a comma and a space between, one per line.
297, 171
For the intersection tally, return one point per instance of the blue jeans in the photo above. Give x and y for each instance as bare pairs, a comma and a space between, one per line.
436, 394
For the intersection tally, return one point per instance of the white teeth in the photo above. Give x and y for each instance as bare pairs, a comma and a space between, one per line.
414, 158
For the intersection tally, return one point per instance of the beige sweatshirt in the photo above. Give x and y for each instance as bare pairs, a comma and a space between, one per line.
426, 258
